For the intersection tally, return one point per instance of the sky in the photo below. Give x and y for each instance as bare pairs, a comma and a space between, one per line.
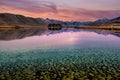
66, 10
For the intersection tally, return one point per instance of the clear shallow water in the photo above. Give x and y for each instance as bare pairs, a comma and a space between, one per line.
67, 54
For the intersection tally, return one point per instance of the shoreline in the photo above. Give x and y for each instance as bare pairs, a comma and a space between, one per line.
115, 29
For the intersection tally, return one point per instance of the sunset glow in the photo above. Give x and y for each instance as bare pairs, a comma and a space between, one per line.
78, 10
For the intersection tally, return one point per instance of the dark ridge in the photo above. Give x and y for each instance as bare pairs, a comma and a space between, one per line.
14, 19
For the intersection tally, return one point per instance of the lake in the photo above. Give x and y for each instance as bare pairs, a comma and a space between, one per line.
66, 54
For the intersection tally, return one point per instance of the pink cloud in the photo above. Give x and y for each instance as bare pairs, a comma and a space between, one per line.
46, 9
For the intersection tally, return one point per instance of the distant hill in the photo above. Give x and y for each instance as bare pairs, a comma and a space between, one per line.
67, 23
14, 19
118, 18
7, 19
102, 20
106, 22
115, 19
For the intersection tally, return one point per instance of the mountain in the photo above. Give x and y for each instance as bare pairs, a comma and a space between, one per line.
115, 19
66, 23
102, 20
52, 21
113, 22
14, 19
77, 23
106, 22
7, 19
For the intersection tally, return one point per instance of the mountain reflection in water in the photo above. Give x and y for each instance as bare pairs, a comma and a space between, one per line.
23, 33
36, 38
20, 33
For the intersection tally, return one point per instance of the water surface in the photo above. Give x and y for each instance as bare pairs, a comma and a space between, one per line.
65, 54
